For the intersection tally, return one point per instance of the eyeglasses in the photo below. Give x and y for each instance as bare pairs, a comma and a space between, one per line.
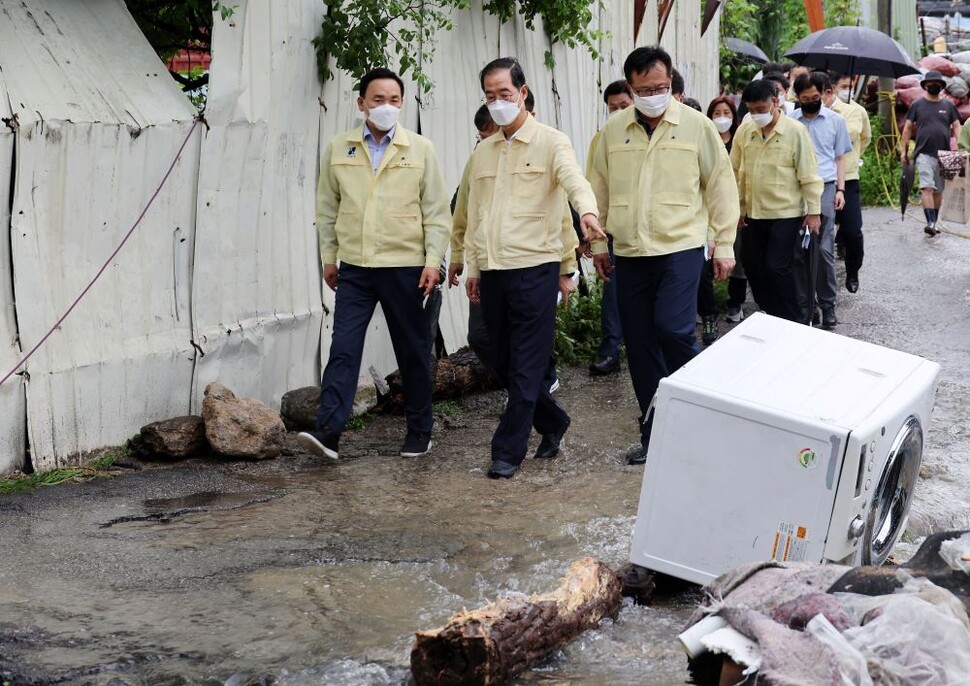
504, 95
646, 92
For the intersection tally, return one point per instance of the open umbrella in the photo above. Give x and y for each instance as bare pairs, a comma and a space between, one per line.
905, 185
746, 49
853, 50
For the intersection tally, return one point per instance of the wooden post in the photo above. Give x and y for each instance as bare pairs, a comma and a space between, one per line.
885, 10
492, 644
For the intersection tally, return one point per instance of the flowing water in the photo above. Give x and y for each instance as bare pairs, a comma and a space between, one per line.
305, 573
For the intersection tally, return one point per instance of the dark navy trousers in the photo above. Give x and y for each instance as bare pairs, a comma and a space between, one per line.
658, 313
359, 290
612, 332
519, 308
780, 271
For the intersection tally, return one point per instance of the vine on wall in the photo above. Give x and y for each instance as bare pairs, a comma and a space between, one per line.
359, 35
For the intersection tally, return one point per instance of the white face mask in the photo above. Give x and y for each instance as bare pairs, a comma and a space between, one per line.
503, 112
762, 120
384, 117
845, 95
652, 106
723, 124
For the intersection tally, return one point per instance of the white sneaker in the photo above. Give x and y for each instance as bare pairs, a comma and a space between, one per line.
734, 314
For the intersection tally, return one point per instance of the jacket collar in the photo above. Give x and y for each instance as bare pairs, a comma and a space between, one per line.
525, 133
401, 137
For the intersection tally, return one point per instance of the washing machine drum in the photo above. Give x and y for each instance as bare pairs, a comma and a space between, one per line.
894, 493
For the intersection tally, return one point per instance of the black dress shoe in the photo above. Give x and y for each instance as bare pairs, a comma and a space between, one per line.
637, 456
851, 285
608, 365
829, 320
502, 470
550, 444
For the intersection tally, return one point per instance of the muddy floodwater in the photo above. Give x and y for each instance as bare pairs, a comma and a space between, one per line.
303, 572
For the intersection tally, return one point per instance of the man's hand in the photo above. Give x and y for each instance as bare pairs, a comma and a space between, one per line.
904, 157
455, 269
585, 250
710, 249
839, 200
813, 223
603, 265
429, 279
330, 275
566, 288
742, 222
591, 228
471, 288
723, 266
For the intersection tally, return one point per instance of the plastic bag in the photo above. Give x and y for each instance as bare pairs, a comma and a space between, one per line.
917, 636
957, 87
852, 663
956, 553
940, 64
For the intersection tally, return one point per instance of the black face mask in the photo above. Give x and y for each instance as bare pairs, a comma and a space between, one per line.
811, 107
934, 89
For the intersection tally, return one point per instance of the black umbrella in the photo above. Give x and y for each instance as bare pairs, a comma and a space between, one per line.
746, 49
853, 50
905, 185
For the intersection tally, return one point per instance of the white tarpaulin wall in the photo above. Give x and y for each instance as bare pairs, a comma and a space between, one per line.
222, 279
257, 289
99, 121
13, 401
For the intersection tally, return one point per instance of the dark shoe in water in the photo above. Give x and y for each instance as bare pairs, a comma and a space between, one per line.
550, 444
322, 443
851, 285
502, 470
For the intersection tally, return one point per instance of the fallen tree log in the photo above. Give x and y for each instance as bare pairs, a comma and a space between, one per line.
490, 645
452, 378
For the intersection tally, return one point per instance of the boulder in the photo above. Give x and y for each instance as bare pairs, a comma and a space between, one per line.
298, 408
240, 427
176, 438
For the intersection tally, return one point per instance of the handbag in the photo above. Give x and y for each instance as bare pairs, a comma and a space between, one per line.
953, 163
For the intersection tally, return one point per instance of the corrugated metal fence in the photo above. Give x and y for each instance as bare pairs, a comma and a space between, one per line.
222, 279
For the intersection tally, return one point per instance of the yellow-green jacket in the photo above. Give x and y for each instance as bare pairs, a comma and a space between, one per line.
664, 193
517, 192
398, 217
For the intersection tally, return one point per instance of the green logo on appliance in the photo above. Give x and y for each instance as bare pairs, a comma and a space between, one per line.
806, 458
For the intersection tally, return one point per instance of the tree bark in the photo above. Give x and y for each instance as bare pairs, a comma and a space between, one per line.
492, 644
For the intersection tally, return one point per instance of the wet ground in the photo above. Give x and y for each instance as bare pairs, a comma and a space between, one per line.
301, 572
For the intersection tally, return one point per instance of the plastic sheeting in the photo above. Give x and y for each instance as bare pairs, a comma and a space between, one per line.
256, 304
98, 124
13, 401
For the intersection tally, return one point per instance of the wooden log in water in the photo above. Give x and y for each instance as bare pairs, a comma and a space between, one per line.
492, 644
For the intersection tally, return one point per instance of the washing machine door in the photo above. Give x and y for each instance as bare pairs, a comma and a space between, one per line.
894, 493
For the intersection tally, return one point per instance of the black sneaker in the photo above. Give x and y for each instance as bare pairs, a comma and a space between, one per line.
550, 444
709, 332
321, 443
930, 230
416, 444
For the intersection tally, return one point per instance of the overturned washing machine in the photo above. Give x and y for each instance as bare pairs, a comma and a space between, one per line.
782, 442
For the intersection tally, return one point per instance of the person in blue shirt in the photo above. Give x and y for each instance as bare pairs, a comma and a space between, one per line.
830, 136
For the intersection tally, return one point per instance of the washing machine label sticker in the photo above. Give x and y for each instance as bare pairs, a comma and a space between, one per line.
791, 543
807, 458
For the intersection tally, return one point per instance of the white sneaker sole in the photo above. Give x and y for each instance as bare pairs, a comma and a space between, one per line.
428, 450
314, 446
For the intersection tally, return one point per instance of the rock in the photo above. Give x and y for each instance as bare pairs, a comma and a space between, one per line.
299, 408
177, 438
240, 427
